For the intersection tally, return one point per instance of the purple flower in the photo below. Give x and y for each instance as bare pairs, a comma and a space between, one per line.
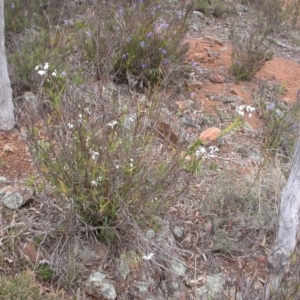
125, 55
161, 50
150, 34
12, 6
194, 64
142, 43
66, 22
271, 106
165, 62
63, 74
143, 66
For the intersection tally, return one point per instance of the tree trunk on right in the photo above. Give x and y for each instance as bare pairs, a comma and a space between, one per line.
288, 229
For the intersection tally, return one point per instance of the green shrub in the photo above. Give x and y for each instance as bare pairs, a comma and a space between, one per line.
108, 161
249, 52
24, 14
141, 44
281, 121
215, 8
23, 287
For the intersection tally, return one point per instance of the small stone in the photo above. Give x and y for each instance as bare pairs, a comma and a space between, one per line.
30, 251
287, 101
181, 105
178, 232
8, 148
216, 78
233, 92
166, 131
209, 135
217, 42
194, 84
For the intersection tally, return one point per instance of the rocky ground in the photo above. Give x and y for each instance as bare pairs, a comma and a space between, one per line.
224, 227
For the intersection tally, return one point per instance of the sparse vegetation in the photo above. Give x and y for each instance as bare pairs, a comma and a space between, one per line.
278, 14
281, 120
24, 287
249, 53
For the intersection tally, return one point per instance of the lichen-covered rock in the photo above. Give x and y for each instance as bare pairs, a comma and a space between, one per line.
100, 286
15, 197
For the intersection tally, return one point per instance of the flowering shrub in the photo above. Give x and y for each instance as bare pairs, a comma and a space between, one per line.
139, 50
110, 169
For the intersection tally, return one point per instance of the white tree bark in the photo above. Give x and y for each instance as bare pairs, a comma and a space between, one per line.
286, 239
7, 118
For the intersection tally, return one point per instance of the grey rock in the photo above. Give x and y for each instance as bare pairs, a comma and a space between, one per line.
214, 285
14, 197
178, 232
150, 234
99, 286
179, 268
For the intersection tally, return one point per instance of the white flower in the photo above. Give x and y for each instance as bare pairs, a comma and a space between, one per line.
87, 110
42, 72
46, 66
148, 257
117, 167
70, 126
250, 109
95, 155
213, 149
54, 73
37, 67
112, 123
201, 151
240, 109
94, 183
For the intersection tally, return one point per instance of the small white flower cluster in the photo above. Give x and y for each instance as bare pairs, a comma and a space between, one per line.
43, 70
148, 257
112, 124
95, 182
94, 154
241, 109
202, 152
